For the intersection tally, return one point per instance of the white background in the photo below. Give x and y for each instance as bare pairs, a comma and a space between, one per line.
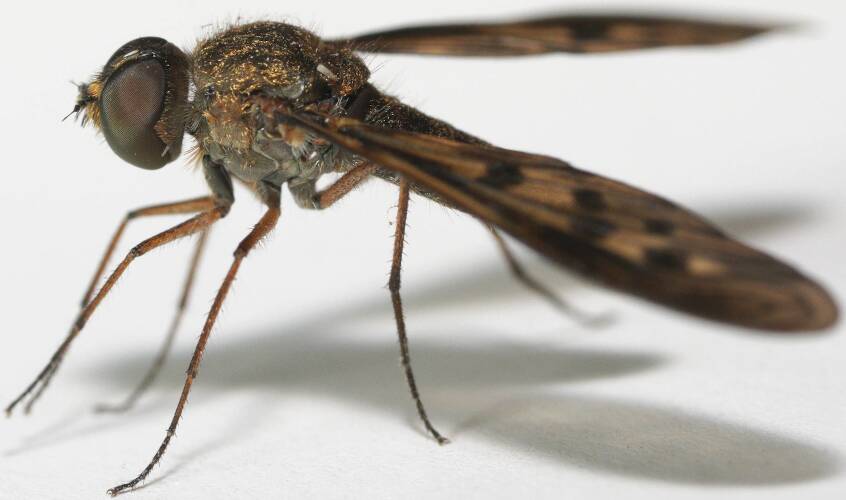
300, 394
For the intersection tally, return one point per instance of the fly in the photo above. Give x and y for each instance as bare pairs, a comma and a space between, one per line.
270, 104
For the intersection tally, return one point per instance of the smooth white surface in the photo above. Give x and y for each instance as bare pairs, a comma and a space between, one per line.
300, 394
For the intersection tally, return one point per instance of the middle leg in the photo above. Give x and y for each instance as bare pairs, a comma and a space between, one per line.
264, 226
307, 197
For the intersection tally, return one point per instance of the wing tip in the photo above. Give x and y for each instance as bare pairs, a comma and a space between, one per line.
738, 32
807, 309
800, 307
775, 28
823, 313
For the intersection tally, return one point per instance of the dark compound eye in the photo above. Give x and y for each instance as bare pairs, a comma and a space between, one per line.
131, 103
142, 102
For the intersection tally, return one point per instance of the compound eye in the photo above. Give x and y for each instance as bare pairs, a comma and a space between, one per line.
132, 103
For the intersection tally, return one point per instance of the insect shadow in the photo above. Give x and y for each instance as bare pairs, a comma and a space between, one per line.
505, 393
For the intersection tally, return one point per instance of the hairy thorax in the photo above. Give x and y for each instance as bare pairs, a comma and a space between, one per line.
238, 71
241, 73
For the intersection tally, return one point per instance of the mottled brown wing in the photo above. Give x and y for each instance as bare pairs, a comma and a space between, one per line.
575, 34
624, 237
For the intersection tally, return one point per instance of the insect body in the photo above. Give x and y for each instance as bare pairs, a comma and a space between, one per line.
236, 126
270, 104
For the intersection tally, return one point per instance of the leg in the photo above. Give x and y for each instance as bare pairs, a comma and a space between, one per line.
181, 207
159, 361
265, 225
329, 196
195, 224
394, 287
306, 196
344, 185
521, 275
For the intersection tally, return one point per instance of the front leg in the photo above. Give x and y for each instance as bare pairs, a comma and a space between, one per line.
195, 224
211, 210
181, 207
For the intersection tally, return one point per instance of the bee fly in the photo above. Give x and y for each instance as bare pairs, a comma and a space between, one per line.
270, 104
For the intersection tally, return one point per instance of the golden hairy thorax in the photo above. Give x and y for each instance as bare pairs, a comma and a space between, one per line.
272, 59
246, 58
270, 55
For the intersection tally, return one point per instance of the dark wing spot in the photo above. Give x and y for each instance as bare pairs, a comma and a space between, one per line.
659, 226
502, 175
589, 199
588, 29
592, 227
667, 260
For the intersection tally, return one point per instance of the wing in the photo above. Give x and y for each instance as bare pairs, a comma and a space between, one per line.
626, 238
575, 34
